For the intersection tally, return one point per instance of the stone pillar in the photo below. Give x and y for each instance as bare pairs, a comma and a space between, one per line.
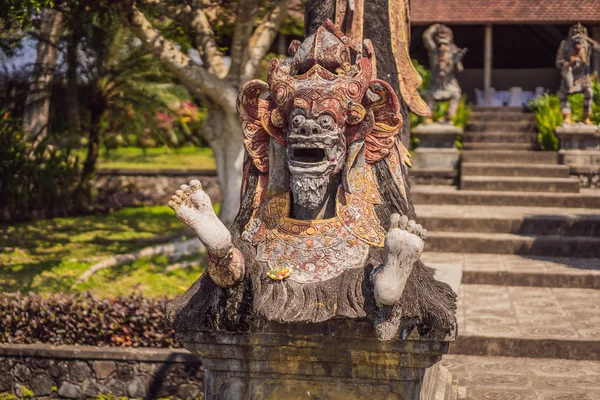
579, 144
339, 359
435, 160
487, 64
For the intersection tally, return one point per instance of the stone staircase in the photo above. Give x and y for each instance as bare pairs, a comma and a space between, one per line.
525, 241
499, 155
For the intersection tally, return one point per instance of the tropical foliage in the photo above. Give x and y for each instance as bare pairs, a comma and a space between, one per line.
549, 115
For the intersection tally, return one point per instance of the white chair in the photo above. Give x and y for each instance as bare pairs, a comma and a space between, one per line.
479, 97
515, 97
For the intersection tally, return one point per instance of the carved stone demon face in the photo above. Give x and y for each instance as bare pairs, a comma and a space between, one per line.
321, 116
316, 150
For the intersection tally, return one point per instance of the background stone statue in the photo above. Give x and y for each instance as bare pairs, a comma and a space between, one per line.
574, 60
445, 60
326, 226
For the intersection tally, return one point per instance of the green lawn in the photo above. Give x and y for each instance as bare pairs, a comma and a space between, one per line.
48, 256
156, 158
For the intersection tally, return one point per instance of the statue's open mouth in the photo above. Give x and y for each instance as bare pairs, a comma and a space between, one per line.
309, 155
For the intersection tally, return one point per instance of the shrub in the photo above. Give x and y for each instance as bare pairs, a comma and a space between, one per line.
33, 183
68, 319
549, 115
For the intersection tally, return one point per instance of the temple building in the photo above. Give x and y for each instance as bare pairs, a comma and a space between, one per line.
512, 43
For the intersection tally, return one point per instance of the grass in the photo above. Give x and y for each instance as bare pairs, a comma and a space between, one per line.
156, 158
48, 256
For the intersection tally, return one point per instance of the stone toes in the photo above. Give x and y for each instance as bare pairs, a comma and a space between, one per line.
173, 205
394, 221
184, 187
176, 199
423, 233
403, 222
179, 193
410, 227
195, 184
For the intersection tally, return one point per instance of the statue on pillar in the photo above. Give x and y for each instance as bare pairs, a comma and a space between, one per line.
574, 60
445, 61
322, 262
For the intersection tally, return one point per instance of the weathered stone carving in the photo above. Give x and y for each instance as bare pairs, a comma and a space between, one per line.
445, 60
574, 60
322, 262
326, 229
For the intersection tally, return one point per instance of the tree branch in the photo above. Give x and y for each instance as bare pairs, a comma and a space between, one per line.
198, 80
244, 23
203, 38
263, 37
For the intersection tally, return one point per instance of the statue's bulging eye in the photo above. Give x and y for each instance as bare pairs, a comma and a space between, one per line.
298, 120
326, 121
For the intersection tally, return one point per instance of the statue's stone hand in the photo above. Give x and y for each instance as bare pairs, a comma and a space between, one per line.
193, 207
403, 246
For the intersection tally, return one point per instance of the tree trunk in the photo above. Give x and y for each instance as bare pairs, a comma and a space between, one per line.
72, 82
89, 166
222, 130
37, 105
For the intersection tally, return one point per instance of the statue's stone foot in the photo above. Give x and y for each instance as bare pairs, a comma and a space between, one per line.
403, 246
193, 207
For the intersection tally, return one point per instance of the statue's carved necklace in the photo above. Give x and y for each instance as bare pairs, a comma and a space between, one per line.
315, 250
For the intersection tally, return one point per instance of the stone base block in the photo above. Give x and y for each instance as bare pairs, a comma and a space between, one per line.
333, 360
579, 157
588, 175
437, 135
579, 137
425, 158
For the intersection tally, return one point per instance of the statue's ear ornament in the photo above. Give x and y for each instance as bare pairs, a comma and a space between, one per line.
356, 114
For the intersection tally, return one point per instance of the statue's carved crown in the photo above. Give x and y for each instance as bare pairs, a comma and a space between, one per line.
326, 73
577, 29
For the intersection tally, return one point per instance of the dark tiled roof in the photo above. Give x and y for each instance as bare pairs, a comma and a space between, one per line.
504, 11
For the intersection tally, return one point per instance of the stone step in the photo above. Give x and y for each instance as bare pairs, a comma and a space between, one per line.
505, 116
500, 126
536, 322
519, 184
490, 377
541, 170
443, 194
499, 137
515, 220
509, 157
506, 243
518, 270
497, 110
498, 146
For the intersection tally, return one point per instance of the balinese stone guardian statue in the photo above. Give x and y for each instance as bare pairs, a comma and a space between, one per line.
326, 227
445, 61
325, 240
574, 60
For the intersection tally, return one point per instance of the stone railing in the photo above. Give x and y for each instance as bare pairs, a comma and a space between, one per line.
83, 372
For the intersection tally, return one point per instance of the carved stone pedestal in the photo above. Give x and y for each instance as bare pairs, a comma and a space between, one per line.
579, 137
436, 157
331, 360
580, 150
